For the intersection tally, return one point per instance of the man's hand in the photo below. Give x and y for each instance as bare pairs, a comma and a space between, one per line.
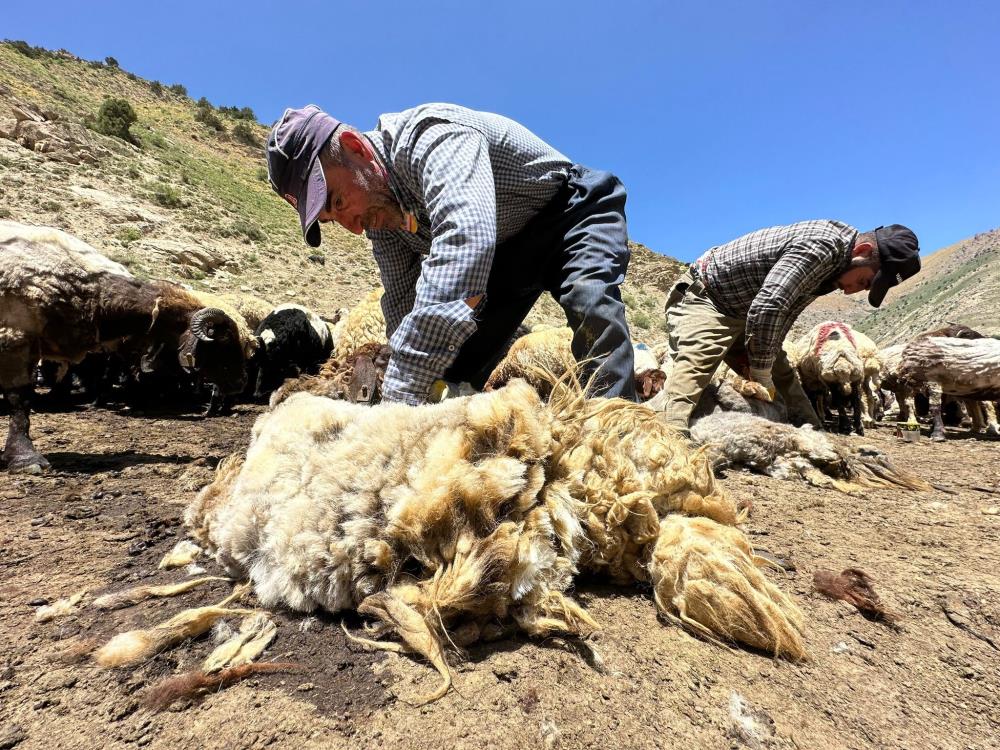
763, 378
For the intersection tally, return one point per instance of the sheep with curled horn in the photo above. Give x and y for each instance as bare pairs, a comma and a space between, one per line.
448, 521
60, 299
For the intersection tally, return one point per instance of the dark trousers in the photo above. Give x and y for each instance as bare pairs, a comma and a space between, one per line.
577, 250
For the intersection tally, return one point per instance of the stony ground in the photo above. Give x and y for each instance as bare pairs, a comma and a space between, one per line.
112, 505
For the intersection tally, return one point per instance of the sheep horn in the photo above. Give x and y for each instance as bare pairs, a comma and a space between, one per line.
204, 321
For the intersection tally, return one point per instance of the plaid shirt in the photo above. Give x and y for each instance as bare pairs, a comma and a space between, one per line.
472, 180
770, 276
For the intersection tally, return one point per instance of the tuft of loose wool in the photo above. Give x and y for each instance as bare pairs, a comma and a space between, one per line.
60, 607
135, 646
160, 696
856, 587
184, 552
704, 578
255, 634
133, 596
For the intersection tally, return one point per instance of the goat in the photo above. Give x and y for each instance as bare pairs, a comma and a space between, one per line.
61, 299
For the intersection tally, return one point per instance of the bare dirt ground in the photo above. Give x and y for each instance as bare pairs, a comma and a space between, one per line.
111, 506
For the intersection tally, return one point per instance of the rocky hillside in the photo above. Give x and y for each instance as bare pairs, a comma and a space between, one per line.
187, 199
957, 284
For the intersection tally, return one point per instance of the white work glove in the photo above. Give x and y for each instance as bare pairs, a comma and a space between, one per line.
763, 378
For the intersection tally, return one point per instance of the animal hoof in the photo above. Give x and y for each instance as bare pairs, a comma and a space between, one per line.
28, 465
937, 438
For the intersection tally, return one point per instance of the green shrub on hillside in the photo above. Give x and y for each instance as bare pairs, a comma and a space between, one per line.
641, 320
111, 62
157, 88
115, 117
27, 50
239, 113
244, 133
178, 89
129, 234
249, 231
205, 114
167, 196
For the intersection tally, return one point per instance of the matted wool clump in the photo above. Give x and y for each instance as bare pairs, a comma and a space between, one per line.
480, 510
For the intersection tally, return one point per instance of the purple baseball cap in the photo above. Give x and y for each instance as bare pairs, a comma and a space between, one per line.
293, 165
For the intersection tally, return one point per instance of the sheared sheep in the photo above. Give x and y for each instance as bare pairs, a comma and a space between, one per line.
872, 376
829, 362
649, 376
61, 299
784, 451
963, 367
483, 509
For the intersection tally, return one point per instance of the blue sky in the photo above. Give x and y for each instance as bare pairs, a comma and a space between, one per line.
719, 117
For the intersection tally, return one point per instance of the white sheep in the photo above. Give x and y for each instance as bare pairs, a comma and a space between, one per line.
442, 520
829, 363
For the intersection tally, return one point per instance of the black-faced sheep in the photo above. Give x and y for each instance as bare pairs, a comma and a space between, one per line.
60, 299
483, 509
293, 341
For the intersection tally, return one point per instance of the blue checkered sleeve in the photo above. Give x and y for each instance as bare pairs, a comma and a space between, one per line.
399, 267
452, 165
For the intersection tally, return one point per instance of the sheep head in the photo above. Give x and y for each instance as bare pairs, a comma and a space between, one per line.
212, 348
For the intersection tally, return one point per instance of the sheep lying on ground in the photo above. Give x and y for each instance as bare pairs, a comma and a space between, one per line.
546, 351
829, 363
447, 520
357, 379
784, 451
60, 299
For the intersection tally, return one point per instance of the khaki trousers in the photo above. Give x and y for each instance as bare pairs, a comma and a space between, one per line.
700, 339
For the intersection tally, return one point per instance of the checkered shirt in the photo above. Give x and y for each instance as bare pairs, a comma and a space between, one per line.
472, 180
770, 276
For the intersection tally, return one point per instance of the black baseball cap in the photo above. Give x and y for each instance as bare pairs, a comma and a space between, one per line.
899, 258
293, 165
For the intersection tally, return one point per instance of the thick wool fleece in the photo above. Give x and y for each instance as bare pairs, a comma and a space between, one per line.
475, 510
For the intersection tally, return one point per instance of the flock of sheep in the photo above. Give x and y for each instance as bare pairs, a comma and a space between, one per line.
461, 520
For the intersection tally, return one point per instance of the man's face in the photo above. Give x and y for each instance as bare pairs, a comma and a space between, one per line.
358, 198
856, 280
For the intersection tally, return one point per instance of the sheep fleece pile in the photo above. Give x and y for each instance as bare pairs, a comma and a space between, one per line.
447, 518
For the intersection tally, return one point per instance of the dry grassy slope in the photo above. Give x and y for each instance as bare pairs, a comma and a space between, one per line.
223, 191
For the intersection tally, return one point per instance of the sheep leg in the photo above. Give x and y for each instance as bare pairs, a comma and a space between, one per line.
857, 404
992, 427
19, 453
840, 404
937, 429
